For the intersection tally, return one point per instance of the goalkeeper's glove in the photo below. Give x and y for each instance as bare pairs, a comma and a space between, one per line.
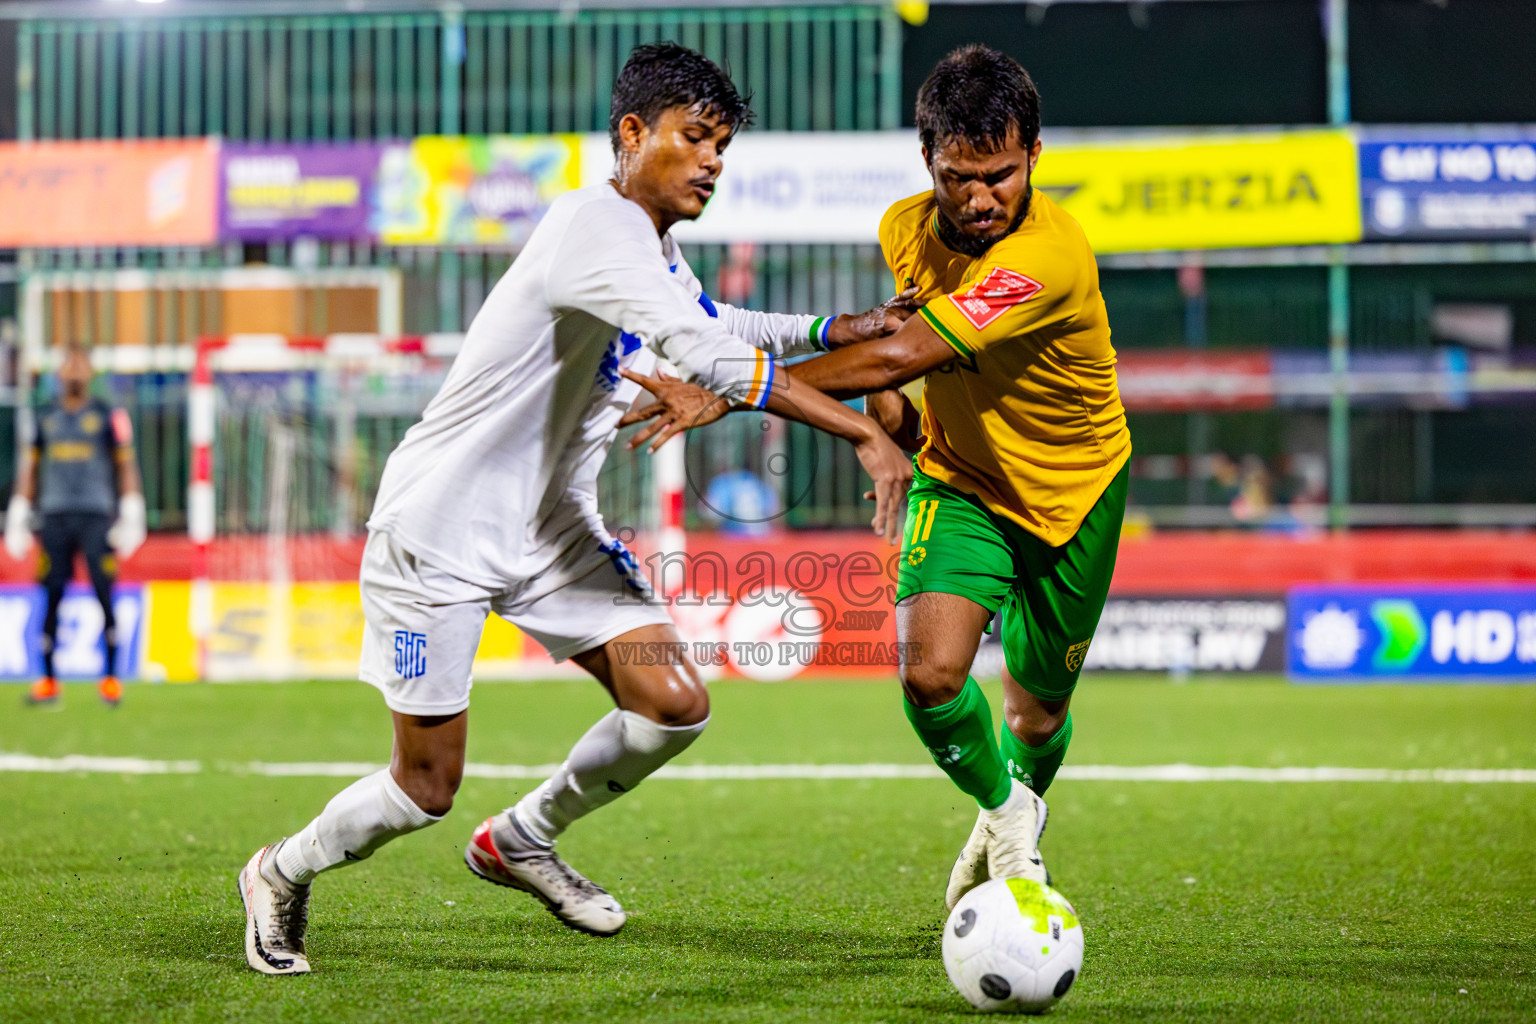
18, 527
628, 567
127, 534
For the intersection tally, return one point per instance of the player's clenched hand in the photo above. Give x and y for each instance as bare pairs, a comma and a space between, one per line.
891, 470
884, 319
679, 406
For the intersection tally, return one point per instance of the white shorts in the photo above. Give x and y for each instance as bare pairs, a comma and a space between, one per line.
422, 626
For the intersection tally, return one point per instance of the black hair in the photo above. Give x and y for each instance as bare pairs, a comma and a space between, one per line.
977, 95
659, 76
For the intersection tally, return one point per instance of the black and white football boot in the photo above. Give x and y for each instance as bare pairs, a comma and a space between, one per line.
276, 914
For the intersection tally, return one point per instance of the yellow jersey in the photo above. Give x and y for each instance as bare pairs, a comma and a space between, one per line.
1028, 416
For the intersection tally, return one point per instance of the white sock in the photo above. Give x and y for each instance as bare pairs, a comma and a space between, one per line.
357, 821
613, 757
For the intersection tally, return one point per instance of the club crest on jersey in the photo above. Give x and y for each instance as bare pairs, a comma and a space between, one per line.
1076, 653
994, 295
410, 654
619, 352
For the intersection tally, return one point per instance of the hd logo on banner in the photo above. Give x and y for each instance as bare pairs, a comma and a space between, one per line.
1383, 633
80, 653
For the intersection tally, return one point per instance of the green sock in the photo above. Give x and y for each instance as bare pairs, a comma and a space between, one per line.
959, 736
1036, 766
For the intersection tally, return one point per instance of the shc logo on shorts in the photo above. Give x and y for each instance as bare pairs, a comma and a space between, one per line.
1076, 653
410, 654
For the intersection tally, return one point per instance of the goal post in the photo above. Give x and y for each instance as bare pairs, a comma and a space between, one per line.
290, 494
288, 438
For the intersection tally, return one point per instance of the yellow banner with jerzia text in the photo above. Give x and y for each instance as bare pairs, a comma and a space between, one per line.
1208, 191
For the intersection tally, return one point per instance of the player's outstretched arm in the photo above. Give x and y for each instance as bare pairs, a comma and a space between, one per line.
884, 320
788, 334
681, 406
915, 350
855, 370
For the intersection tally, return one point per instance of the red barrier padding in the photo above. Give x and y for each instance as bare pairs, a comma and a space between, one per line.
1170, 562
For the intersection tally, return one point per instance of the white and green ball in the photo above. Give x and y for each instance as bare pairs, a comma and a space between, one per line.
1013, 946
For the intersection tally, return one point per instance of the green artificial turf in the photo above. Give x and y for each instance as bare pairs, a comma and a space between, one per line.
795, 900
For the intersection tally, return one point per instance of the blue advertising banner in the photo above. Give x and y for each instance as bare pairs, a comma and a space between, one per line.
1356, 633
80, 653
1444, 184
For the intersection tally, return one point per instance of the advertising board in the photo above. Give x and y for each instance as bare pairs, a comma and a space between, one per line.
288, 190
1468, 183
1207, 191
1184, 634
1358, 633
1155, 191
1162, 633
139, 192
796, 186
472, 190
80, 653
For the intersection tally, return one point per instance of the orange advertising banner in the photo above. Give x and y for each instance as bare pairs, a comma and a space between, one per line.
140, 192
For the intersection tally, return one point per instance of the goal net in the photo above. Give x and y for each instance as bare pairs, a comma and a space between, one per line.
289, 438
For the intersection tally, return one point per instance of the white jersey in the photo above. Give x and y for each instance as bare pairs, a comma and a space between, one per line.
499, 477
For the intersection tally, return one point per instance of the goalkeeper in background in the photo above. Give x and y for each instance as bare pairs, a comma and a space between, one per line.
79, 469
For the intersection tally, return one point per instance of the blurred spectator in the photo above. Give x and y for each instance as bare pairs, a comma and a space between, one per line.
1255, 497
1224, 475
742, 503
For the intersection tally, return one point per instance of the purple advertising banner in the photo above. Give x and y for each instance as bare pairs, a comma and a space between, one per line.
281, 191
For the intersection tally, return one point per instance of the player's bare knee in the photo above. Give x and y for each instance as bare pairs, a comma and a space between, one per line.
436, 800
929, 684
431, 787
675, 697
1034, 722
1034, 730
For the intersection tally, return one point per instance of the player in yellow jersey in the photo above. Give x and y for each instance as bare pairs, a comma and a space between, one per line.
1021, 473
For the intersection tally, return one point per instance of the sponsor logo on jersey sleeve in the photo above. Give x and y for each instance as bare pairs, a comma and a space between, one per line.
994, 295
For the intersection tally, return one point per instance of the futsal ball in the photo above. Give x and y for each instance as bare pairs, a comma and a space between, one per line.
1013, 946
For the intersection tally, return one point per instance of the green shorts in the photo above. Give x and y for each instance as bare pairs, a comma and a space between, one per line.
1051, 598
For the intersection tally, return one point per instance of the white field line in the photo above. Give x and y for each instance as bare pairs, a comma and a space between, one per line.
108, 765
76, 763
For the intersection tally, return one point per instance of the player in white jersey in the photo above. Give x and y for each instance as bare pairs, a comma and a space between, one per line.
489, 504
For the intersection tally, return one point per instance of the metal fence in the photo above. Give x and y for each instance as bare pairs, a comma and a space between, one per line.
375, 76
832, 67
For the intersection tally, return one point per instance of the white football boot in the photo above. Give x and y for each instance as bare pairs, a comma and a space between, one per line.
1013, 836
503, 852
276, 914
970, 868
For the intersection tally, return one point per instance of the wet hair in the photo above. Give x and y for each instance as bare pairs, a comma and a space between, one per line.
977, 95
660, 76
